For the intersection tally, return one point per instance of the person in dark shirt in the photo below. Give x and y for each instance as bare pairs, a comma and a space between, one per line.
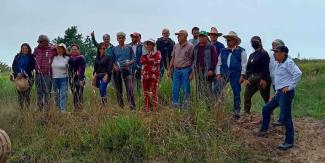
77, 65
165, 45
102, 71
257, 77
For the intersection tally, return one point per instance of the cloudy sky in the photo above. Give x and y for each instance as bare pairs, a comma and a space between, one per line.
300, 23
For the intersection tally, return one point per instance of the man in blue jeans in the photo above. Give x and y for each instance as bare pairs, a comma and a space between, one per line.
181, 65
287, 74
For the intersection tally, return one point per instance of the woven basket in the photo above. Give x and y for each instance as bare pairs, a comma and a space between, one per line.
5, 146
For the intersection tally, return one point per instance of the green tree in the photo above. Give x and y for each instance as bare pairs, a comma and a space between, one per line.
4, 67
71, 36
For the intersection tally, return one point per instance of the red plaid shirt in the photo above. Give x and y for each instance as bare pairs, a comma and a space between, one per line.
151, 65
44, 58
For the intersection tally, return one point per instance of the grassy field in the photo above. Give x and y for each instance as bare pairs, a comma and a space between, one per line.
118, 135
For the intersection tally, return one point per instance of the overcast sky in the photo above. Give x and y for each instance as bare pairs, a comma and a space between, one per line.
300, 23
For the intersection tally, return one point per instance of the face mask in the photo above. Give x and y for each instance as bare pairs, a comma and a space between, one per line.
256, 45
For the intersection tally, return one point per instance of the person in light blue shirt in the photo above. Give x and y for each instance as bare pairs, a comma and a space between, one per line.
286, 76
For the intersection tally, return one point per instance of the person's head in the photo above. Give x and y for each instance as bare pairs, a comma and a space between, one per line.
203, 37
101, 50
195, 32
106, 39
232, 39
43, 41
135, 37
276, 43
150, 44
256, 43
280, 53
121, 38
214, 34
25, 49
61, 49
182, 36
165, 33
75, 50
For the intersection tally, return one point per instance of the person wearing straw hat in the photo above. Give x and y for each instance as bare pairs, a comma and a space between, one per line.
232, 68
214, 35
181, 66
150, 74
44, 54
205, 61
23, 67
287, 75
60, 77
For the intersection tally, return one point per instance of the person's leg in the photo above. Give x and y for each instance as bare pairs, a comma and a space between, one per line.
176, 88
129, 89
154, 88
20, 99
265, 93
48, 88
250, 90
57, 87
186, 87
63, 94
118, 88
285, 102
162, 68
146, 93
235, 85
40, 92
267, 110
103, 89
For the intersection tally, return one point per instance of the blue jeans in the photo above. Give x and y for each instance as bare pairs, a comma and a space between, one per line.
181, 80
284, 100
60, 86
102, 85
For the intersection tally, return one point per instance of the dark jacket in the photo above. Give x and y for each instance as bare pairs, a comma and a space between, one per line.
258, 63
29, 68
165, 47
104, 65
77, 66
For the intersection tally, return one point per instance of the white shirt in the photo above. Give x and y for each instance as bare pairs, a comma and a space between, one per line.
286, 74
243, 62
60, 67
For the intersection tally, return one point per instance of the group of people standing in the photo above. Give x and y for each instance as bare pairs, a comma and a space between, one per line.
202, 58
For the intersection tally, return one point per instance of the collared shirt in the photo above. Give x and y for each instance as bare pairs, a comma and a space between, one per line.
183, 55
194, 41
243, 62
121, 55
44, 57
287, 74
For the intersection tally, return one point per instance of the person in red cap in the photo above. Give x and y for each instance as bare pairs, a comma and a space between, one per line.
150, 74
137, 46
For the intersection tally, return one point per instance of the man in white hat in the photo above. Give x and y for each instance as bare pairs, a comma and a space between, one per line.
214, 35
232, 67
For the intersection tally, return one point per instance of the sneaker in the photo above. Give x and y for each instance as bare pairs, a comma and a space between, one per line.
259, 133
285, 146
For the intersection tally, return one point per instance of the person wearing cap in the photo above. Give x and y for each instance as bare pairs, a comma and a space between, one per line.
195, 33
44, 54
106, 41
287, 74
257, 77
165, 45
232, 68
23, 67
77, 67
123, 60
102, 71
181, 65
205, 61
137, 46
214, 35
60, 77
150, 74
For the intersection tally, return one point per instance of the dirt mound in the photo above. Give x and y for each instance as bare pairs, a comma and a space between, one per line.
309, 140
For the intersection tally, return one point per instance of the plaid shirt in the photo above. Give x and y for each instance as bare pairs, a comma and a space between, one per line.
44, 58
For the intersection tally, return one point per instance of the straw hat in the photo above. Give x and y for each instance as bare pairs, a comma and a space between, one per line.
214, 30
234, 35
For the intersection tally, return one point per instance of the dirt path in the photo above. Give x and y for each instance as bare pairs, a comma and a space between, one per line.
309, 139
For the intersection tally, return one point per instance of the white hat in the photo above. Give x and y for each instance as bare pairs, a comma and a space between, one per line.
150, 40
62, 45
234, 35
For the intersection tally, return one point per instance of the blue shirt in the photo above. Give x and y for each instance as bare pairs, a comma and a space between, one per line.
286, 74
22, 63
121, 55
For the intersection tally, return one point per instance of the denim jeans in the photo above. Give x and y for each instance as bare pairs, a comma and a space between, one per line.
181, 80
60, 86
102, 87
43, 88
284, 100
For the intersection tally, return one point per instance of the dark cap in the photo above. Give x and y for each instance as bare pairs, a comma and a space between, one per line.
281, 49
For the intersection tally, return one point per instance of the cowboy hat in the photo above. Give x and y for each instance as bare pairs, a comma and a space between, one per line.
234, 35
215, 31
